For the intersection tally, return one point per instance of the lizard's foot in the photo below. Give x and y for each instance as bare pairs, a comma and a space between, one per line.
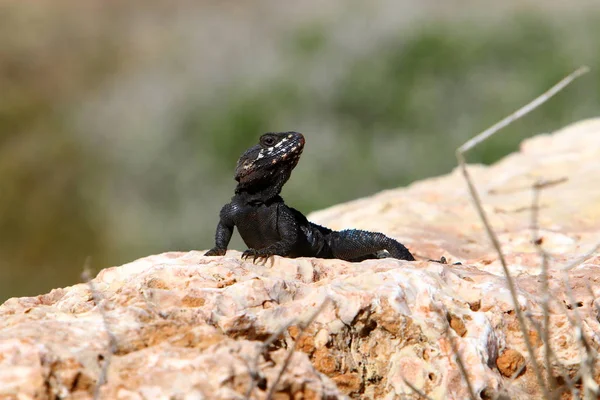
215, 252
256, 255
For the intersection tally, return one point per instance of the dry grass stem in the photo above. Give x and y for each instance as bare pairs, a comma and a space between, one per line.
526, 109
478, 205
253, 368
303, 326
553, 358
304, 323
588, 356
461, 364
545, 290
582, 259
415, 390
86, 276
591, 389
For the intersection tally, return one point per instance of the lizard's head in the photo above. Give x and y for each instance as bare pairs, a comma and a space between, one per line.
271, 160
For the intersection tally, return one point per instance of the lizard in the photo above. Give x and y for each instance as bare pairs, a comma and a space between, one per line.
269, 227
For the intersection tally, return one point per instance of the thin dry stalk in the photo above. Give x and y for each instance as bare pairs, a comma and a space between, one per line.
517, 372
288, 358
573, 322
504, 393
537, 242
544, 333
521, 112
415, 390
86, 276
253, 369
553, 357
475, 195
459, 360
595, 305
588, 358
271, 339
461, 366
581, 259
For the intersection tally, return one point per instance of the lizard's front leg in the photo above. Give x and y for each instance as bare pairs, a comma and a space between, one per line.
223, 233
281, 248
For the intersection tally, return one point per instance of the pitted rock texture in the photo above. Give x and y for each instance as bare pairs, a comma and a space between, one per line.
185, 326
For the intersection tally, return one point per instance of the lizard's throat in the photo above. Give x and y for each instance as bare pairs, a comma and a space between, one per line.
262, 191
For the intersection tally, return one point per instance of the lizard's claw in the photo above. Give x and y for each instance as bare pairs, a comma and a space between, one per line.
256, 255
248, 253
215, 252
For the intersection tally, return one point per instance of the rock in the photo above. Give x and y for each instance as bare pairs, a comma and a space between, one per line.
510, 362
457, 324
182, 325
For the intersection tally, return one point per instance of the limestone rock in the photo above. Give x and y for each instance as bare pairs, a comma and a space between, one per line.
510, 362
185, 326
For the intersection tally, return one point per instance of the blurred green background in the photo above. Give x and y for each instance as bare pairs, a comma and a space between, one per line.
121, 122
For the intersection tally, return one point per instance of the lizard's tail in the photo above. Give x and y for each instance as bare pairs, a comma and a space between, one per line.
353, 244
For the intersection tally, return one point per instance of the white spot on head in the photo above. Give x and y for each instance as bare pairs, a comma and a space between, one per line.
260, 155
280, 143
270, 149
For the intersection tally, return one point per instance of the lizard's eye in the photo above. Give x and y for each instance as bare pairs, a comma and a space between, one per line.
267, 140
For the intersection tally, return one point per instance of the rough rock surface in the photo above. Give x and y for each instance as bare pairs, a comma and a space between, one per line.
185, 326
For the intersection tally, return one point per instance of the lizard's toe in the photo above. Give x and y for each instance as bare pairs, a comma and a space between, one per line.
215, 252
248, 253
256, 255
263, 258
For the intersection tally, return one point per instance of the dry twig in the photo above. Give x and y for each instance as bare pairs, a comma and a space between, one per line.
588, 357
461, 364
415, 390
86, 276
304, 324
460, 155
581, 259
303, 327
537, 242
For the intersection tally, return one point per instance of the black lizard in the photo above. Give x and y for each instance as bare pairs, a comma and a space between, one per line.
269, 227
